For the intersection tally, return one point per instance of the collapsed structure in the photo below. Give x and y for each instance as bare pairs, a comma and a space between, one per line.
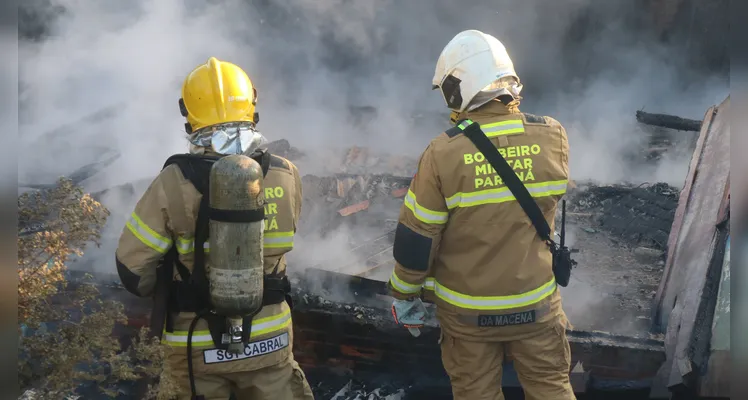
649, 299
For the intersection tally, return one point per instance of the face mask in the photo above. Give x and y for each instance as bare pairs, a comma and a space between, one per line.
227, 139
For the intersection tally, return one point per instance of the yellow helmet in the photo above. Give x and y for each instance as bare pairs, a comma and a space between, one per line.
217, 92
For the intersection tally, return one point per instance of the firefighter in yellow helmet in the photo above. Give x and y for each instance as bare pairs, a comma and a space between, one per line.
163, 248
463, 238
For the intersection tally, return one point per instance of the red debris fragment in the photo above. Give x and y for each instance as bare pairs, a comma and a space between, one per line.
399, 192
352, 209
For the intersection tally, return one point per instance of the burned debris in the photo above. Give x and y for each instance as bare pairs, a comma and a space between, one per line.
668, 121
666, 134
283, 148
620, 231
639, 215
341, 309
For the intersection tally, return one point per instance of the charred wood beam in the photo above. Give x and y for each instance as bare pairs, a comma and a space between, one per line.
355, 332
668, 121
365, 339
365, 336
400, 180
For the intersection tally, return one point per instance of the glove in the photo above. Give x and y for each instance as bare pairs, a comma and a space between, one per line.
410, 314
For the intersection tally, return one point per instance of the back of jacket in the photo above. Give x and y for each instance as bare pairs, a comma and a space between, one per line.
166, 216
487, 267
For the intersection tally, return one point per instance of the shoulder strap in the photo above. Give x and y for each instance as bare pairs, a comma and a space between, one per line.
511, 180
263, 157
196, 169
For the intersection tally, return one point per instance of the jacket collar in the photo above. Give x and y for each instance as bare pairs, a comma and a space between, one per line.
493, 108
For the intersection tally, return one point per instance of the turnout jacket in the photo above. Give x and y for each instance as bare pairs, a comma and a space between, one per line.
463, 237
166, 215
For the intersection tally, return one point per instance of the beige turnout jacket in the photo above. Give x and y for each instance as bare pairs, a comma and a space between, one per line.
463, 237
166, 215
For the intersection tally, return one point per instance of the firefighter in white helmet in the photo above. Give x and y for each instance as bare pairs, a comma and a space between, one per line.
164, 249
463, 238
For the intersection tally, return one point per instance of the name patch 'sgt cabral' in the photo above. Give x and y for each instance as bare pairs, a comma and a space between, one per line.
252, 349
524, 317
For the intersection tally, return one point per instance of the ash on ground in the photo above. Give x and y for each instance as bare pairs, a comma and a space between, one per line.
376, 386
338, 389
339, 301
621, 233
638, 215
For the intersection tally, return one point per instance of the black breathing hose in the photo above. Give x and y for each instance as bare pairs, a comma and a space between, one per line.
190, 370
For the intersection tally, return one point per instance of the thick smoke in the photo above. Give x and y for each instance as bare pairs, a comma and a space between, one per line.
591, 66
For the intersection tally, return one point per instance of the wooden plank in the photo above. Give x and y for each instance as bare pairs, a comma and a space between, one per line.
716, 381
724, 212
697, 253
683, 199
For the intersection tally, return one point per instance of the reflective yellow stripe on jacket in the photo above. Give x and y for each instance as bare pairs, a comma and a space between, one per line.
465, 301
147, 235
490, 302
498, 128
262, 326
422, 213
402, 286
272, 240
278, 240
500, 195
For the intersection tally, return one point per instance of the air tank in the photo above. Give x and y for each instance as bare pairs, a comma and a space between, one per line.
235, 260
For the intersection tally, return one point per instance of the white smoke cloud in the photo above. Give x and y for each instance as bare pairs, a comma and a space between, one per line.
313, 59
580, 62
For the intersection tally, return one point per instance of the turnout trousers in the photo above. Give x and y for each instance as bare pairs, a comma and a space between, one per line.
283, 381
542, 362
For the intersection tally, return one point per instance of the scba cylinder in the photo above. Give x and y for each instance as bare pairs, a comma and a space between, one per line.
236, 217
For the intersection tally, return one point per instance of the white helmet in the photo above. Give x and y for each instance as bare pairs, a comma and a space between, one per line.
473, 69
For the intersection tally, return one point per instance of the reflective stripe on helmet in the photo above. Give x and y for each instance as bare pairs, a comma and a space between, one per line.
490, 302
147, 235
262, 326
424, 214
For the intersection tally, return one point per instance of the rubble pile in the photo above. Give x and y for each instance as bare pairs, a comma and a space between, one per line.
283, 149
339, 199
638, 215
357, 390
334, 302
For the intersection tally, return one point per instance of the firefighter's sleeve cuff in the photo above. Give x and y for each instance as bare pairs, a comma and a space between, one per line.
402, 290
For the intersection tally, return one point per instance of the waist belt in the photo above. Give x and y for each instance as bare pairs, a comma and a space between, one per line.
183, 299
277, 289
